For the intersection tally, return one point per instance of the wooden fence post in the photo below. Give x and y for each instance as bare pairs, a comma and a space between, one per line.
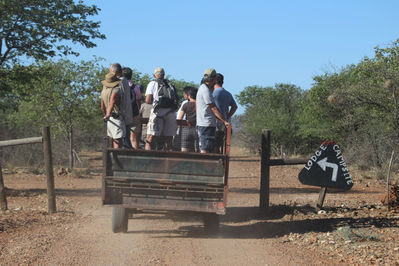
71, 158
3, 199
265, 172
48, 161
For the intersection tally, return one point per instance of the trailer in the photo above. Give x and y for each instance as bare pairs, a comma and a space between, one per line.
136, 181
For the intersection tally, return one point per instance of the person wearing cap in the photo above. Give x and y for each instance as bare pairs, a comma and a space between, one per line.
207, 112
227, 106
162, 121
111, 107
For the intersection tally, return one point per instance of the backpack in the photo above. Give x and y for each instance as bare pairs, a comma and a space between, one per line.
167, 95
133, 100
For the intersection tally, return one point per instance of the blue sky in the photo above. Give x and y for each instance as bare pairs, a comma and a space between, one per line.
251, 42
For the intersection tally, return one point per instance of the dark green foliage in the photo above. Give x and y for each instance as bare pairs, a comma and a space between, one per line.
275, 108
39, 28
64, 95
362, 114
356, 106
14, 85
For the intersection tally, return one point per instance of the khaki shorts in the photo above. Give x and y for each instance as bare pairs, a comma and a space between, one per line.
162, 126
135, 126
116, 128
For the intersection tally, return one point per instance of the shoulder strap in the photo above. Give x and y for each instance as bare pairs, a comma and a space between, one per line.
174, 91
161, 86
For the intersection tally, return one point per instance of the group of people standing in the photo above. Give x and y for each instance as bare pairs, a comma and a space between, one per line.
207, 111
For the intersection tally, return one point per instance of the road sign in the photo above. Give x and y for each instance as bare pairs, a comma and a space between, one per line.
327, 168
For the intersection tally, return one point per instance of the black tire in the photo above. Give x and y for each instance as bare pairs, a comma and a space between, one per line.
211, 222
119, 220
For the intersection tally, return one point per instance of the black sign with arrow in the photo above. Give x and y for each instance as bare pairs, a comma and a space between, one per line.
327, 168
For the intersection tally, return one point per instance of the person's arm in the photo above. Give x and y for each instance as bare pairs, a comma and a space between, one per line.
103, 107
180, 115
149, 92
112, 101
181, 106
148, 98
218, 115
233, 109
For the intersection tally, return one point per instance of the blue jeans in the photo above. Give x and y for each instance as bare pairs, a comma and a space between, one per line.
207, 138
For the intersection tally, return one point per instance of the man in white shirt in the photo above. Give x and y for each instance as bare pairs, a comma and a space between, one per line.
162, 121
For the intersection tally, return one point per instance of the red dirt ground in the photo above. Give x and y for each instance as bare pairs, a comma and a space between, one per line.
354, 228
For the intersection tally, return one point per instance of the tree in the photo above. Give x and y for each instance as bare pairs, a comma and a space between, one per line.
275, 108
65, 95
358, 107
12, 83
39, 28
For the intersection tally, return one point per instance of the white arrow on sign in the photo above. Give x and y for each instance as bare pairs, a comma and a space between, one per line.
324, 164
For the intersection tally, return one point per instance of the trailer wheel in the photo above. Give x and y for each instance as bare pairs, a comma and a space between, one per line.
211, 222
119, 220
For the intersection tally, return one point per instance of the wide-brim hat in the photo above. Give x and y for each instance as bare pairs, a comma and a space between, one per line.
111, 80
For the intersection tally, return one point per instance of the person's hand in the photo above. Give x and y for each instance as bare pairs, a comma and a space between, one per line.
107, 116
226, 124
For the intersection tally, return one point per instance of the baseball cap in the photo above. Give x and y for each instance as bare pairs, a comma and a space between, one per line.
209, 73
159, 71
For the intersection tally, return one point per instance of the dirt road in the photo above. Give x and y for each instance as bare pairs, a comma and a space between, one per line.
80, 232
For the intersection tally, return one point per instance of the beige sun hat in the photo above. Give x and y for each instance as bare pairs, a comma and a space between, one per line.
110, 80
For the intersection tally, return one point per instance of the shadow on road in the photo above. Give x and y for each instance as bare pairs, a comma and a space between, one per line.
246, 223
299, 190
266, 229
91, 192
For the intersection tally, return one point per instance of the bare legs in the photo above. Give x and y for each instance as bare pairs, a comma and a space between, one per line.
116, 143
134, 140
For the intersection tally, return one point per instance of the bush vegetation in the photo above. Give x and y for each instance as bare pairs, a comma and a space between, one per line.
356, 107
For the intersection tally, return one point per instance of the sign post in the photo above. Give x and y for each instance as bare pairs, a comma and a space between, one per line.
322, 196
326, 169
